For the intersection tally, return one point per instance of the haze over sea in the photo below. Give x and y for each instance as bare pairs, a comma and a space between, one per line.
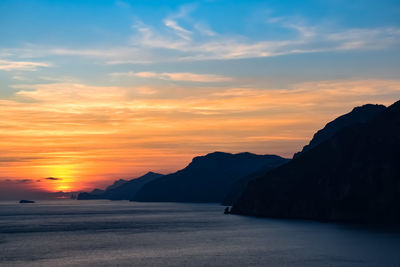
104, 233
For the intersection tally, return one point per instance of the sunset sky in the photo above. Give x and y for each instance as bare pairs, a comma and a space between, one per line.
93, 91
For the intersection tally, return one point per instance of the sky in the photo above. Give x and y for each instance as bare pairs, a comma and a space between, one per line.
93, 91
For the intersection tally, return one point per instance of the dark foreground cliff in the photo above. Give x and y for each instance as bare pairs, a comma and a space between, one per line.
353, 176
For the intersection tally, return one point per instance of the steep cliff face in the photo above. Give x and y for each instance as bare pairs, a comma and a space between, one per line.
354, 175
359, 115
206, 179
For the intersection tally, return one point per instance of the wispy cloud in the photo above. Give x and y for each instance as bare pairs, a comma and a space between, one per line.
363, 39
177, 76
308, 40
210, 45
172, 23
10, 65
185, 34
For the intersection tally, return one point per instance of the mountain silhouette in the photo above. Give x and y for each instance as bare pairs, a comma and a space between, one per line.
361, 114
352, 176
121, 189
206, 179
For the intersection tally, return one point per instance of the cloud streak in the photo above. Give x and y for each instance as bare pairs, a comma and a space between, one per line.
177, 76
10, 65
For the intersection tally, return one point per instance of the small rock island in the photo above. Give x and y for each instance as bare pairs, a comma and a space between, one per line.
26, 201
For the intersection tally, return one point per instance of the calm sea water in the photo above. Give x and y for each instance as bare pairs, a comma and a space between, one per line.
105, 233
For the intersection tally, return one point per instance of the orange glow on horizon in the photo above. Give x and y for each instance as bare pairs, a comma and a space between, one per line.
86, 136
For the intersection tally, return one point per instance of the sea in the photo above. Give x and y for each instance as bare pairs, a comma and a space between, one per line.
122, 233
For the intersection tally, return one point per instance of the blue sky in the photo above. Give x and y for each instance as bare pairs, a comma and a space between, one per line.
106, 89
271, 38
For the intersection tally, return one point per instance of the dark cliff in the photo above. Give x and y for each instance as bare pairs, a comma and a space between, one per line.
352, 176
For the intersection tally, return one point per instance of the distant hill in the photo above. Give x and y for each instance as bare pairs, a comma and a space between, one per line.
354, 175
121, 189
206, 179
361, 114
